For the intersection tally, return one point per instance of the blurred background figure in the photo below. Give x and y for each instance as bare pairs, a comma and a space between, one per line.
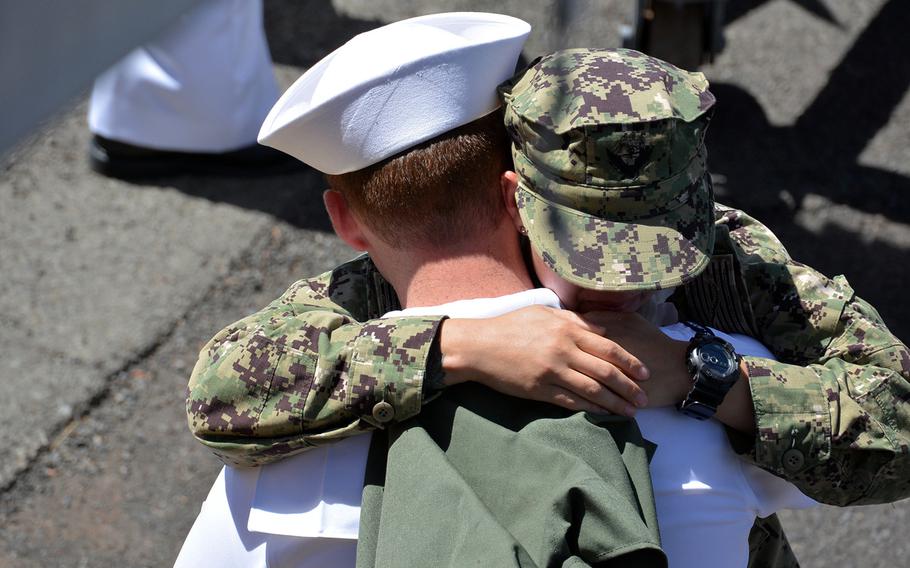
686, 33
191, 101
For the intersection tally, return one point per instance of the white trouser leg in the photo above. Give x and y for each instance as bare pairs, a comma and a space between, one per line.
205, 85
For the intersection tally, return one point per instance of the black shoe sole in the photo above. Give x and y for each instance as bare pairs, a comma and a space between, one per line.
123, 161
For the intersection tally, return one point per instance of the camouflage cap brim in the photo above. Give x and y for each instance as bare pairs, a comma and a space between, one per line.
665, 249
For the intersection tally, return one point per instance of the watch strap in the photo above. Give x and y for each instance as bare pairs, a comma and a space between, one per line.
699, 329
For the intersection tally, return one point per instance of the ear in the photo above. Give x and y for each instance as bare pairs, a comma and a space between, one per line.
508, 184
344, 222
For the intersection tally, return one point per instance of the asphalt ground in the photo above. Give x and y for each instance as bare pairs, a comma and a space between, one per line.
109, 289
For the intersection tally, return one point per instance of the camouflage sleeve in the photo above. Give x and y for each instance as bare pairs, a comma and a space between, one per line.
303, 371
832, 415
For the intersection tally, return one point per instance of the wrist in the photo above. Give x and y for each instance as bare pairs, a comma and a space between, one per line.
682, 382
456, 346
737, 410
670, 380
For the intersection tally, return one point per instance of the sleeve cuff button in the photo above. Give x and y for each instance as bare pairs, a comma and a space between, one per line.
383, 412
793, 459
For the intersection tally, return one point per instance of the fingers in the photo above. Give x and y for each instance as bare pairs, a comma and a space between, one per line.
611, 377
590, 338
568, 399
611, 352
594, 393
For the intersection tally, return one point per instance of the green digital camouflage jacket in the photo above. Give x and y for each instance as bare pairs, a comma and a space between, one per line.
832, 415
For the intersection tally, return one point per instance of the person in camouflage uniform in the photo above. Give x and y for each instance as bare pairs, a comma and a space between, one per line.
831, 416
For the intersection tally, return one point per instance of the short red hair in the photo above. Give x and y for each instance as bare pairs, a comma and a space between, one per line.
437, 193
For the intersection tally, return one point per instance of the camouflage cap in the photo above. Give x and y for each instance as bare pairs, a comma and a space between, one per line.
609, 148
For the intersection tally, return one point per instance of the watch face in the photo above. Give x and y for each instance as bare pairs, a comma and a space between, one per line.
715, 360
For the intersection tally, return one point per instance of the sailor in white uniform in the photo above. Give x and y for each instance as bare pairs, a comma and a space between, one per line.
382, 92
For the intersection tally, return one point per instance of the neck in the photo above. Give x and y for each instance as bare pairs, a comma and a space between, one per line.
462, 278
490, 267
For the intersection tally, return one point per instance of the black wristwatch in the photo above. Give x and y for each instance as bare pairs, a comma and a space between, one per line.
714, 367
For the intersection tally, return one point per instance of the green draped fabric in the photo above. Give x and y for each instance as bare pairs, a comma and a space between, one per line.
482, 479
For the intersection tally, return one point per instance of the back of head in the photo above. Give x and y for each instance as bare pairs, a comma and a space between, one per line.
613, 186
437, 194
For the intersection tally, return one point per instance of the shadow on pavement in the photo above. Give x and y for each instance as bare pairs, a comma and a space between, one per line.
739, 8
770, 170
295, 198
301, 32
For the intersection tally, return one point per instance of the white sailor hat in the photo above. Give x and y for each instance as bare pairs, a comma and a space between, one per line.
393, 87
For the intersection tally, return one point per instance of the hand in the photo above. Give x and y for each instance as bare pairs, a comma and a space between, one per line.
665, 357
670, 381
544, 354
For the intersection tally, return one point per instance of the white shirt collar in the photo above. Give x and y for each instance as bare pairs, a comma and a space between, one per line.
485, 307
